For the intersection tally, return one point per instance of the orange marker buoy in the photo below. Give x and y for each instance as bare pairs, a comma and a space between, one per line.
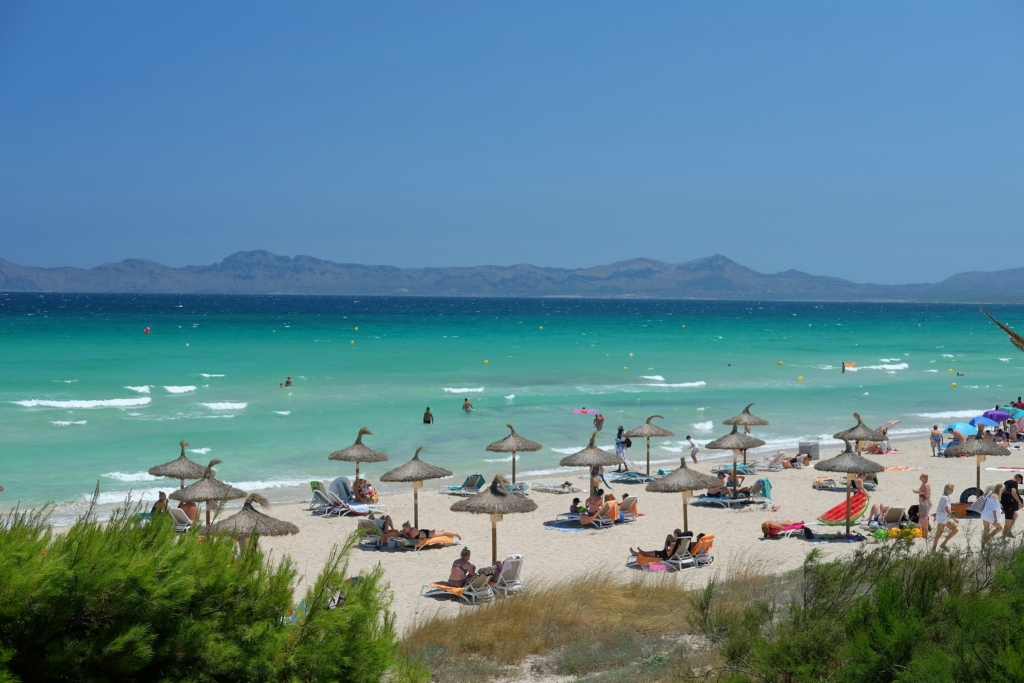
145, 331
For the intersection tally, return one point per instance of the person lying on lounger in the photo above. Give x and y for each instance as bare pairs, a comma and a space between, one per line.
773, 528
877, 513
462, 572
414, 534
671, 541
735, 485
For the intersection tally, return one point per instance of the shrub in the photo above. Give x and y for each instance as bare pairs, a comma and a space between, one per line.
121, 601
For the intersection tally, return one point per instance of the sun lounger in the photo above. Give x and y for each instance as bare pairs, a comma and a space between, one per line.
630, 478
318, 503
626, 508
342, 507
893, 517
478, 589
509, 581
471, 486
822, 483
775, 464
181, 521
565, 487
664, 472
745, 470
787, 531
700, 557
401, 543
371, 534
760, 492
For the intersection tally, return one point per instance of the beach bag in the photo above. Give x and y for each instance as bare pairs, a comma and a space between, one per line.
629, 442
914, 512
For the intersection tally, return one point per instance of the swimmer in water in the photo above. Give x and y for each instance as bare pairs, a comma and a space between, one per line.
288, 382
428, 417
844, 367
467, 406
280, 386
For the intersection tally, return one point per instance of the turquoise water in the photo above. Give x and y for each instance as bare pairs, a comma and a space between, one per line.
209, 370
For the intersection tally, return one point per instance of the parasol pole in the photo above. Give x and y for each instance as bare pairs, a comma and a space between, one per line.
648, 454
734, 478
978, 460
416, 486
513, 467
495, 518
849, 477
686, 504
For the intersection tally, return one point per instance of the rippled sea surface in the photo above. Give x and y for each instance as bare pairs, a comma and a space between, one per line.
86, 396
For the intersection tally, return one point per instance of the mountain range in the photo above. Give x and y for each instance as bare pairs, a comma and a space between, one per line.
713, 277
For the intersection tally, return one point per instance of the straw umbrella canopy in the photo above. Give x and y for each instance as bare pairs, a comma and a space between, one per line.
849, 462
734, 441
208, 489
358, 452
685, 481
858, 433
746, 420
590, 456
981, 448
181, 468
513, 443
648, 430
497, 502
415, 471
251, 522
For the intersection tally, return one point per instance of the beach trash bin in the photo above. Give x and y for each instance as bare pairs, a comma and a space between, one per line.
809, 448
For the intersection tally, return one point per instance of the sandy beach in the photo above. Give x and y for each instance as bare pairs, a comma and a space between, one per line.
552, 554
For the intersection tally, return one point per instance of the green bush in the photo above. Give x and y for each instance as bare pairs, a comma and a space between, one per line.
120, 601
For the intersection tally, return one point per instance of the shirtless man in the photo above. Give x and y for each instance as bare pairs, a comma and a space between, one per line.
428, 417
467, 406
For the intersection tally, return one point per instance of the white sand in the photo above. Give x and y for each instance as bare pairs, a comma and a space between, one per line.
552, 554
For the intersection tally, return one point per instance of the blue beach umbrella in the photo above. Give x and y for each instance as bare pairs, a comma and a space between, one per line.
963, 428
983, 421
1017, 415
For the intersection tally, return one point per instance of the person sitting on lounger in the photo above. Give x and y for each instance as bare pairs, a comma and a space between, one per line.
462, 572
789, 463
613, 507
735, 485
414, 534
877, 513
190, 509
721, 490
594, 505
575, 508
386, 526
160, 505
671, 541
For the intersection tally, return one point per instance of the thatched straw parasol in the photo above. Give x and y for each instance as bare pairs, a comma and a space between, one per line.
1015, 338
251, 522
358, 452
734, 441
858, 433
746, 420
849, 462
181, 468
980, 448
685, 481
208, 489
416, 471
513, 443
648, 430
590, 456
497, 502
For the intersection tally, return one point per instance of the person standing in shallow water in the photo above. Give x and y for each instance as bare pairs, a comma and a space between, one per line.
428, 417
598, 422
467, 406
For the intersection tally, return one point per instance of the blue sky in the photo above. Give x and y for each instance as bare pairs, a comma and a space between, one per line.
876, 141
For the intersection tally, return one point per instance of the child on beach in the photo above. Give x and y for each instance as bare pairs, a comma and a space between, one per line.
924, 503
575, 507
944, 518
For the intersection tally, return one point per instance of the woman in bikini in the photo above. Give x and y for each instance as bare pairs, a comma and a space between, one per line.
594, 505
414, 534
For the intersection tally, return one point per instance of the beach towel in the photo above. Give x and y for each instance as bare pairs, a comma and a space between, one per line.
436, 540
449, 589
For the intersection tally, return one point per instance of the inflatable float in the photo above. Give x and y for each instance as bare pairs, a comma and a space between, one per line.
837, 516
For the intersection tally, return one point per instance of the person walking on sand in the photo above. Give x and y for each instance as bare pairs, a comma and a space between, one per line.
924, 505
467, 406
992, 515
693, 449
621, 444
936, 440
428, 417
944, 518
1011, 503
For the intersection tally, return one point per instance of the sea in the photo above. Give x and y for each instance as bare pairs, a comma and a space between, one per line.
98, 388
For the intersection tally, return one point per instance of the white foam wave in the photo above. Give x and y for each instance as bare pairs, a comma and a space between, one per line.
680, 384
131, 476
72, 381
225, 406
272, 484
887, 366
206, 375
932, 370
508, 459
826, 367
947, 355
464, 390
510, 397
283, 412
672, 449
179, 390
144, 389
65, 423
890, 360
200, 451
1005, 360
567, 451
952, 414
656, 378
704, 426
106, 403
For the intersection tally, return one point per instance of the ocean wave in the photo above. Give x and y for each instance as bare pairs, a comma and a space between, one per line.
206, 375
952, 414
283, 412
672, 449
888, 366
510, 397
508, 459
133, 476
890, 360
259, 485
947, 355
179, 390
72, 381
932, 370
464, 390
144, 389
826, 367
1005, 360
104, 403
704, 426
200, 451
65, 423
569, 451
656, 378
225, 406
680, 385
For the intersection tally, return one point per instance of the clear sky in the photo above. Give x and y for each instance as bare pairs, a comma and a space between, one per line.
879, 141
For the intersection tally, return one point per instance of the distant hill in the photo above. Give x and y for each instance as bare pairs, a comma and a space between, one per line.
714, 277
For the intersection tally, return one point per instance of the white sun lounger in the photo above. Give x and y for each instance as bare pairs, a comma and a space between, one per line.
181, 521
509, 581
478, 589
